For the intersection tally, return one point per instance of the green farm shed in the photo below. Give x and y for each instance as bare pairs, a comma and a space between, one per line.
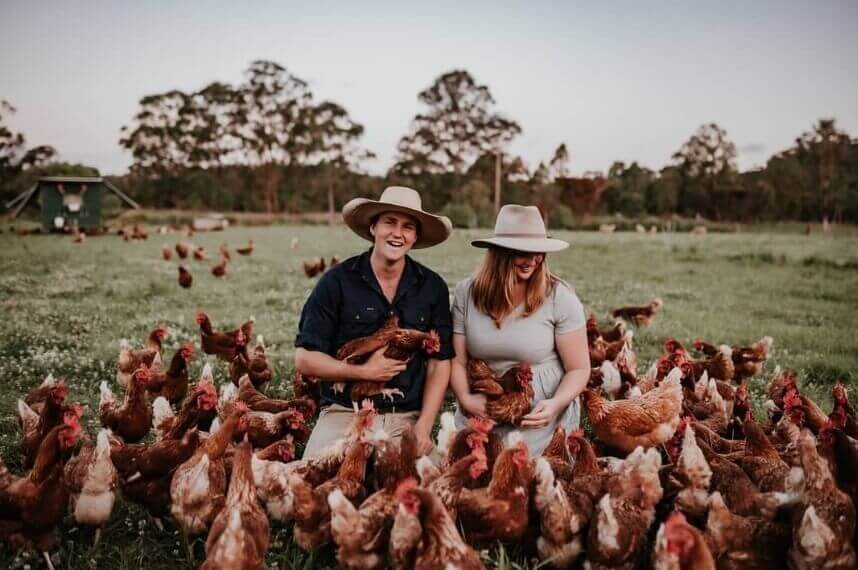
69, 203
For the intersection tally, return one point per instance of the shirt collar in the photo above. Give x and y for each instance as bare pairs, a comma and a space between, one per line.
411, 275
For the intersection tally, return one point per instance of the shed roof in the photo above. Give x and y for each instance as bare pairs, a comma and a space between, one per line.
21, 201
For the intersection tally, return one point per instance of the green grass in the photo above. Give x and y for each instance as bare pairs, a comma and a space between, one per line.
66, 306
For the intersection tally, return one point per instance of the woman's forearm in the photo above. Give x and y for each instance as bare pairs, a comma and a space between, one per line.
571, 385
459, 380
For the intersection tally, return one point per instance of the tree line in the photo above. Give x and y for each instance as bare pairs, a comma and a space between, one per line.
266, 144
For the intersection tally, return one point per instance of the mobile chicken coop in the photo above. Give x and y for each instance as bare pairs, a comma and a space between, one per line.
69, 203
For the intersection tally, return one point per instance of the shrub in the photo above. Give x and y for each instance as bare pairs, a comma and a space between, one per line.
561, 218
462, 215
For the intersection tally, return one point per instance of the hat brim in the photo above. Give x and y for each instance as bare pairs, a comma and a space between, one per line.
359, 212
527, 244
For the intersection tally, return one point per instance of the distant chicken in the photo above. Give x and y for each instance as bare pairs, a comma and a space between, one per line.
185, 277
33, 505
245, 250
182, 250
602, 350
224, 252
240, 534
221, 344
130, 359
401, 345
91, 479
199, 253
641, 316
219, 269
172, 383
167, 252
311, 269
647, 420
509, 397
132, 418
253, 365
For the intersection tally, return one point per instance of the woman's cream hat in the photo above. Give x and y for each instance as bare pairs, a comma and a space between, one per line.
359, 212
521, 228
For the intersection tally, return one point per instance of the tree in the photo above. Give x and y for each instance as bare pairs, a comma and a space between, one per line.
15, 157
559, 165
158, 138
707, 161
458, 127
825, 152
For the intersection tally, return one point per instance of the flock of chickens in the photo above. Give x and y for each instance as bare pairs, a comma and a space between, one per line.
183, 250
678, 475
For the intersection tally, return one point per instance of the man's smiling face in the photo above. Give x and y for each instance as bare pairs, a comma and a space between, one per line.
395, 235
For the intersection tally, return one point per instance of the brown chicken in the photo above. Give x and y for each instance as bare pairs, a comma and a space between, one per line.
33, 505
824, 527
182, 250
617, 533
647, 420
222, 344
146, 470
611, 334
842, 454
36, 425
36, 397
166, 252
557, 542
509, 397
362, 533
435, 540
132, 418
264, 428
304, 387
245, 250
219, 269
91, 480
761, 460
172, 383
640, 316
312, 512
224, 252
602, 350
198, 410
130, 360
258, 402
198, 487
744, 542
254, 365
401, 345
311, 269
586, 485
185, 277
500, 511
240, 534
477, 434
841, 402
680, 546
748, 360
199, 253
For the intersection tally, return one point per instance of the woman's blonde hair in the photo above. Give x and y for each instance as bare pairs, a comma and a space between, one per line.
494, 283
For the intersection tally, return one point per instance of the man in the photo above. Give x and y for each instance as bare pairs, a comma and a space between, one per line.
354, 298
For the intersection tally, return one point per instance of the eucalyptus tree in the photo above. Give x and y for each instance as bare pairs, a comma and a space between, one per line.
15, 157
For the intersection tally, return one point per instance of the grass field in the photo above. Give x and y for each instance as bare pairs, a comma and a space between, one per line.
65, 307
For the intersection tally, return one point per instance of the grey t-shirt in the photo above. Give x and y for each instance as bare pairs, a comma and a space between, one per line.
529, 339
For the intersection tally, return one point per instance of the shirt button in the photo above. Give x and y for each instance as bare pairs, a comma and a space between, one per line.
390, 313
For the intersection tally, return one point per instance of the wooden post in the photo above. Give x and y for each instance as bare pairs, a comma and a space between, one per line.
497, 181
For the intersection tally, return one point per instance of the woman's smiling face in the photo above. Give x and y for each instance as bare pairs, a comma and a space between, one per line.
525, 264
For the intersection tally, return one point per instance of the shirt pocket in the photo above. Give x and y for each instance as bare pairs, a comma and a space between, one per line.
418, 317
361, 321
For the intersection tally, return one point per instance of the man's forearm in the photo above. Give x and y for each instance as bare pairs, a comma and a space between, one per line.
325, 367
434, 390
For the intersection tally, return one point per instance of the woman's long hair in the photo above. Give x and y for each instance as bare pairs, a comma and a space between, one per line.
494, 283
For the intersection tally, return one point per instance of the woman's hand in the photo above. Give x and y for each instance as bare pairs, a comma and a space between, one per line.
423, 433
542, 413
474, 404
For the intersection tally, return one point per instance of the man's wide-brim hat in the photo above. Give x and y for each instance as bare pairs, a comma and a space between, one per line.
358, 214
521, 228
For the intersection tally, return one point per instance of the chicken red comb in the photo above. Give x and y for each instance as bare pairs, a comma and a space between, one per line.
671, 344
481, 464
525, 373
741, 392
481, 425
791, 399
77, 409
676, 518
574, 440
201, 317
698, 342
403, 490
142, 373
161, 329
839, 393
432, 343
187, 348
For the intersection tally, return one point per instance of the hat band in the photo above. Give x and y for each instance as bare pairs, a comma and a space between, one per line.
539, 236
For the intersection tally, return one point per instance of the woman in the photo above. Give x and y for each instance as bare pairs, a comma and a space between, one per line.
514, 310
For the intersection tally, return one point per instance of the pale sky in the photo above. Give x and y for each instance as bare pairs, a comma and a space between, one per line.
614, 81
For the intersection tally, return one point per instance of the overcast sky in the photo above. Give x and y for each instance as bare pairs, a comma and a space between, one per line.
618, 81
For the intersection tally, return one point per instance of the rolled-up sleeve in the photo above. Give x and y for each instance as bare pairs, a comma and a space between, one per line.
320, 316
442, 321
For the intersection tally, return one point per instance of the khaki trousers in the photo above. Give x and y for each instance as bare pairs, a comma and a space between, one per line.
335, 420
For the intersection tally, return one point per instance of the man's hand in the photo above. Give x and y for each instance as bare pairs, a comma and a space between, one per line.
380, 368
474, 404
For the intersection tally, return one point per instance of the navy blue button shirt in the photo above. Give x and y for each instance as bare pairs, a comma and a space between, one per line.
348, 303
